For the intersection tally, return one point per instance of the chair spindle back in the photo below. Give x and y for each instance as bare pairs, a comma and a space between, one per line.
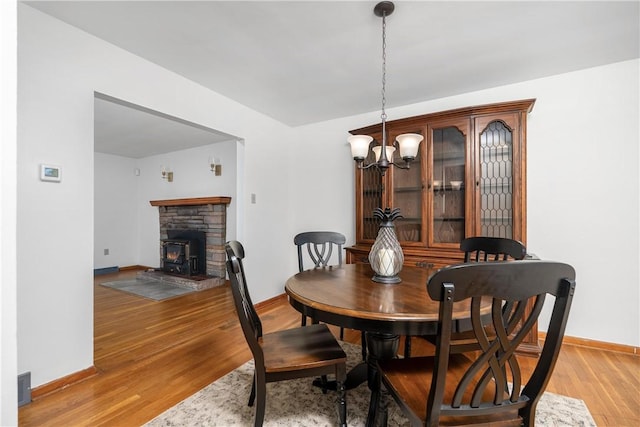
491, 249
319, 246
492, 382
249, 319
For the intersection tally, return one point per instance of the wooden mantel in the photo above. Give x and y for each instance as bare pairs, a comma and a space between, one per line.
220, 200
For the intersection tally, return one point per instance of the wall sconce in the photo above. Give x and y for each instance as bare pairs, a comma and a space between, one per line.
216, 167
166, 173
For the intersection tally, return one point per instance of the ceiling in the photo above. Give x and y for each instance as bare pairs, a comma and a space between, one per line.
129, 130
303, 62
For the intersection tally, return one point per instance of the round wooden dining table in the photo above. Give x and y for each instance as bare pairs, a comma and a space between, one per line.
346, 296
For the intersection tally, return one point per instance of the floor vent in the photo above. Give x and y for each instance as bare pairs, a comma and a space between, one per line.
24, 388
106, 270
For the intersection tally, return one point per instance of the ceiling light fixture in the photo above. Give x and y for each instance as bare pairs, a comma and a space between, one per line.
408, 142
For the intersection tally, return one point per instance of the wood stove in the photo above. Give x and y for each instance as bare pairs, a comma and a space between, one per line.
183, 252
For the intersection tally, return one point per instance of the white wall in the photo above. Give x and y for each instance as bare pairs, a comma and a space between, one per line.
115, 210
127, 224
192, 177
8, 341
583, 185
60, 67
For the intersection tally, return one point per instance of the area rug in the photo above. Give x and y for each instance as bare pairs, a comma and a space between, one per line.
298, 403
156, 290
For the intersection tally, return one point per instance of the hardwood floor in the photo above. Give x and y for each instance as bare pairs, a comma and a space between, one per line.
151, 355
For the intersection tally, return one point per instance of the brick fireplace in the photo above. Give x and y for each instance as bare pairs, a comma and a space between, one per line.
207, 215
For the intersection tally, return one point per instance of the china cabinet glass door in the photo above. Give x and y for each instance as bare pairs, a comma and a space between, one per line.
496, 185
497, 195
448, 184
408, 193
371, 197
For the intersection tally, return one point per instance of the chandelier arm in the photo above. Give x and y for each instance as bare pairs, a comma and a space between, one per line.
405, 165
376, 165
361, 165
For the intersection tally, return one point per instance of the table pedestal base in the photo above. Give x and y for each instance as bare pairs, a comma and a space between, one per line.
381, 347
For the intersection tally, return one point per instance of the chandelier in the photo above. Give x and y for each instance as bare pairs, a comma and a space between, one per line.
408, 142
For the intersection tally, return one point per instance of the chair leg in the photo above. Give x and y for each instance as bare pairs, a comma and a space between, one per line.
363, 344
262, 401
341, 334
407, 346
252, 395
383, 408
342, 402
373, 407
528, 415
304, 320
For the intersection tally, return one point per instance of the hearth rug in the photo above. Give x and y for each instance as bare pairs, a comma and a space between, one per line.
297, 403
156, 290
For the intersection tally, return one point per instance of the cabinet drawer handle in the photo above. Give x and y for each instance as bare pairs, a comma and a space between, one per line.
424, 264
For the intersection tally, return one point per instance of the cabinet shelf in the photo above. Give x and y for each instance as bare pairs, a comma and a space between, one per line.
447, 188
448, 157
403, 220
408, 189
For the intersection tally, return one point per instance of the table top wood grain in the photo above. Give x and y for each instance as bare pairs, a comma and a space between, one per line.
346, 296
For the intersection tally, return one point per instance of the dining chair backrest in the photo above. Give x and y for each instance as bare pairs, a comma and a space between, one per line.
483, 248
283, 354
319, 246
492, 382
479, 249
249, 319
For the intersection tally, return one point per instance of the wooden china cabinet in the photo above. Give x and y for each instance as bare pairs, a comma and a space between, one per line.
469, 179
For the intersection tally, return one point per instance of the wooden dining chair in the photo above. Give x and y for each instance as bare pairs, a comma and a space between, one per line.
478, 249
487, 385
301, 352
318, 247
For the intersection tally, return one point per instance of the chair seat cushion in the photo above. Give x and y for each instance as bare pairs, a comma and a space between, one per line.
411, 379
301, 348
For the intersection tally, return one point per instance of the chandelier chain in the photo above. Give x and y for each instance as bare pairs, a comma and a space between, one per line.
384, 64
383, 115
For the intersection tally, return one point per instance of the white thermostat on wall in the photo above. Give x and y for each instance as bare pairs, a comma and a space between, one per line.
50, 173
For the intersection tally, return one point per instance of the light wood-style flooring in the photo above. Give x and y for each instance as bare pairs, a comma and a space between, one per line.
151, 355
